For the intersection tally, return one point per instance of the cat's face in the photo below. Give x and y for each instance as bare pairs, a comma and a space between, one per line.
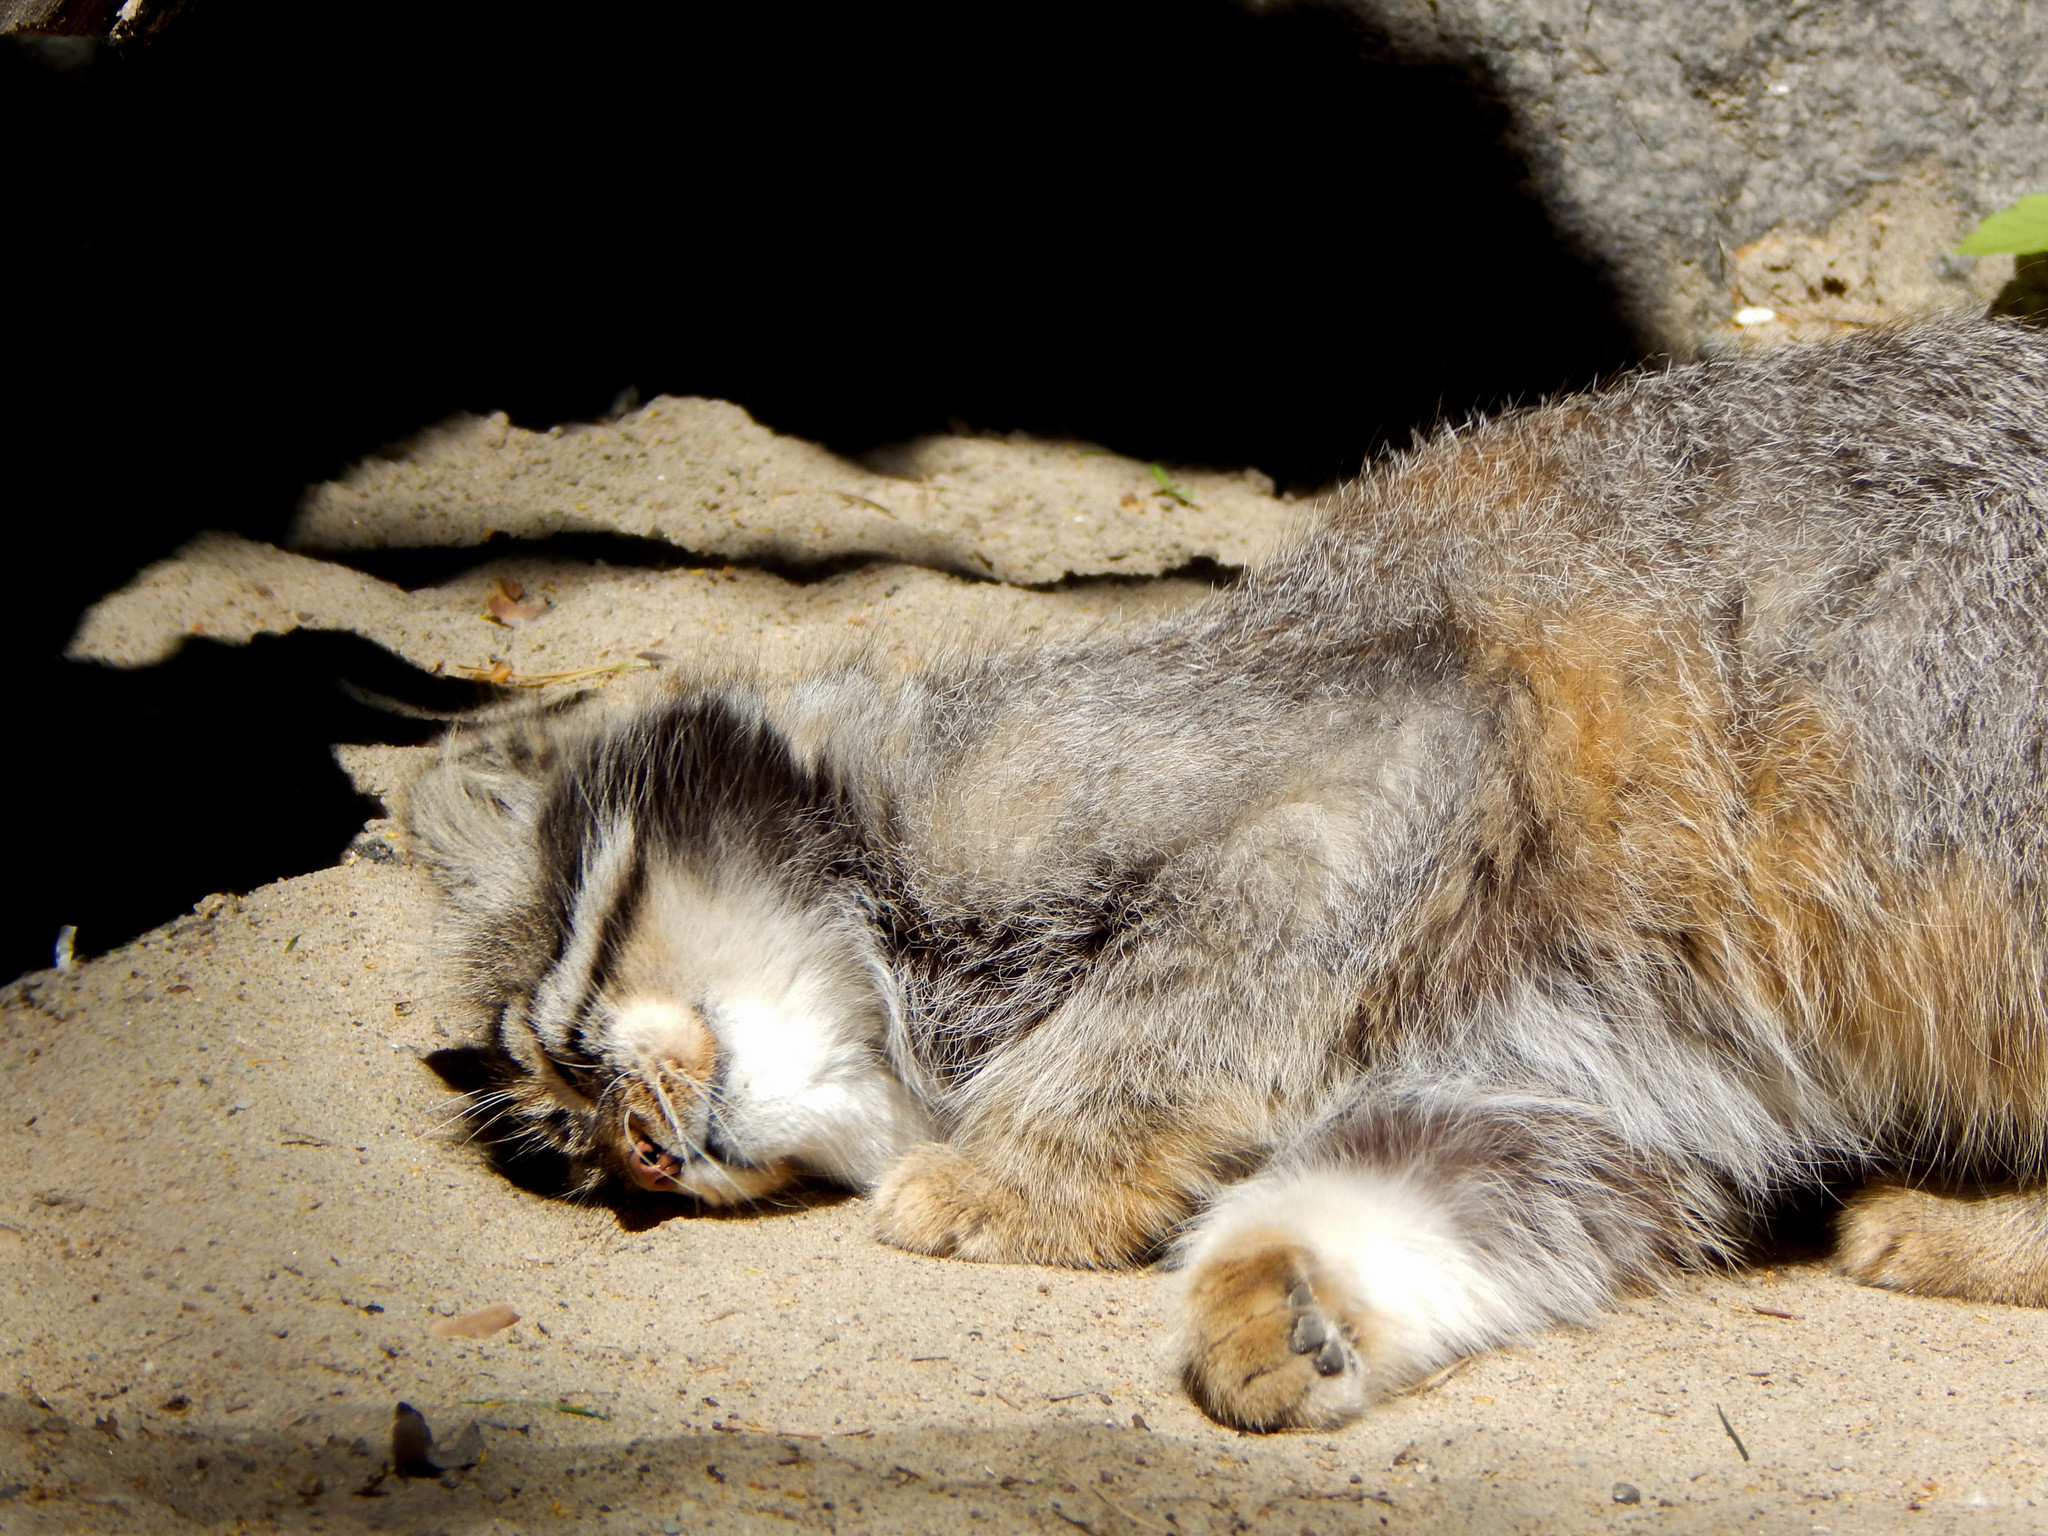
638, 1105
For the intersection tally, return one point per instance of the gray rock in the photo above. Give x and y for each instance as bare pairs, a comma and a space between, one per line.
1667, 136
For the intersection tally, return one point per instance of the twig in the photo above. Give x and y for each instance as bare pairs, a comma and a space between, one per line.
1435, 1379
501, 675
861, 501
1731, 1432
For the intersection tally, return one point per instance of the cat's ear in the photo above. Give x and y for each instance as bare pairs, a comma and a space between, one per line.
475, 1070
501, 760
473, 814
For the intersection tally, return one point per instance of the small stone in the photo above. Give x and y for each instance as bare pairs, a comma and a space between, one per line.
1627, 1493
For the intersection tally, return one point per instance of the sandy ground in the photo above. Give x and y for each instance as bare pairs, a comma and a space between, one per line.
237, 1226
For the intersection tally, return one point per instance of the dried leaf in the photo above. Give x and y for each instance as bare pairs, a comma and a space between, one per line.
480, 1324
506, 604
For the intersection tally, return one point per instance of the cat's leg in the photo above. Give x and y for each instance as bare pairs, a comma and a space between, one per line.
1408, 1231
1207, 1031
1979, 1247
1091, 1179
1091, 1141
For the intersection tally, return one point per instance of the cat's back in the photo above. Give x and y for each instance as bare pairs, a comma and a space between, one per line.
1784, 482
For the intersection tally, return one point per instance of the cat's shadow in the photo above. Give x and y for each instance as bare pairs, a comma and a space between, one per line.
480, 1069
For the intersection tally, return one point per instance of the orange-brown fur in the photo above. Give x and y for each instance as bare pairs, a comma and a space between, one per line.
1243, 1355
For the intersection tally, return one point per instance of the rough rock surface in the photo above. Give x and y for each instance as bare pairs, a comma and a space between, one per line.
236, 1219
1667, 136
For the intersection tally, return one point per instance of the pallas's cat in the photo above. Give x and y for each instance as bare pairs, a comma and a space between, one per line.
1592, 826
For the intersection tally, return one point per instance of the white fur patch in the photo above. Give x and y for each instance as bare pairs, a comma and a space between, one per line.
796, 1086
1384, 1238
791, 998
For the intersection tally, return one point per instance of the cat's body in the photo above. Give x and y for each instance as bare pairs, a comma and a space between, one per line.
1597, 824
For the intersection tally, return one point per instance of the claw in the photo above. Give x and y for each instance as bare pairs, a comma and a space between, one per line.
1308, 1334
1329, 1359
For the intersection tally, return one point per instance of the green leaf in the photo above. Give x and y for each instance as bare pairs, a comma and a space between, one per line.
2020, 229
1168, 488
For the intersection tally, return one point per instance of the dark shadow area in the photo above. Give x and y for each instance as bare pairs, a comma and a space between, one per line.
249, 253
434, 565
1800, 1227
335, 1467
211, 772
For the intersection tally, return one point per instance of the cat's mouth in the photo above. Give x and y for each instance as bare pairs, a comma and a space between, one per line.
703, 1177
647, 1164
653, 1168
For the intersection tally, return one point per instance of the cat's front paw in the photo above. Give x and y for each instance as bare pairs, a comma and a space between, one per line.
941, 1200
1272, 1341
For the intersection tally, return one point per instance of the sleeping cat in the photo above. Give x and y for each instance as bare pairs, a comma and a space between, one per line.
1598, 823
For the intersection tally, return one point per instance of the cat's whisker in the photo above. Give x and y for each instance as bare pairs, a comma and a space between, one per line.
668, 1111
483, 1110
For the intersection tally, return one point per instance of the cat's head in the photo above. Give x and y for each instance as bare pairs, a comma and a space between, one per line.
688, 996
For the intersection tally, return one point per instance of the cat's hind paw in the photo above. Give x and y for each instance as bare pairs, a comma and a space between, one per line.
1984, 1247
1271, 1340
1892, 1237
